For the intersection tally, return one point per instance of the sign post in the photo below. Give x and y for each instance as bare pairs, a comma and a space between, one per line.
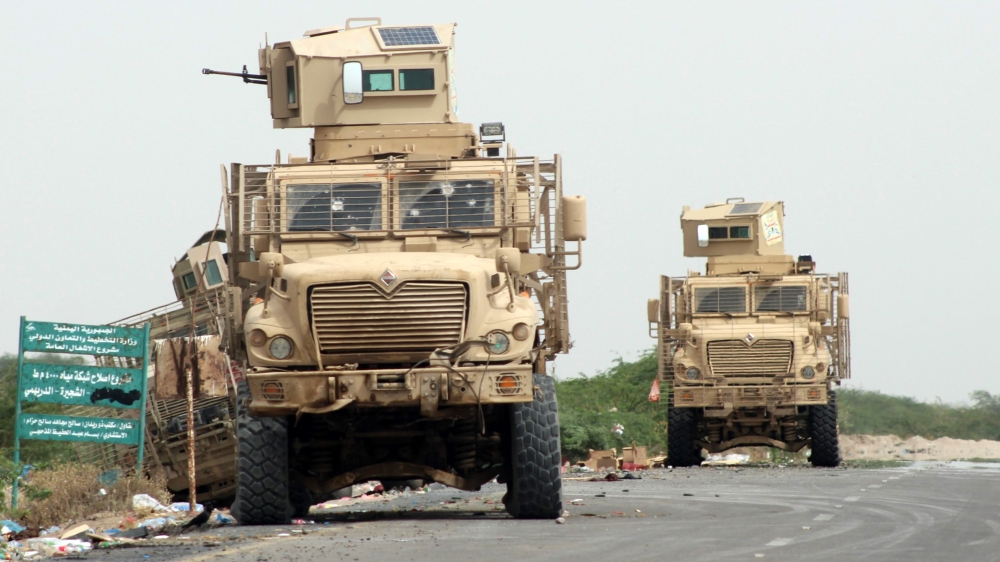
84, 385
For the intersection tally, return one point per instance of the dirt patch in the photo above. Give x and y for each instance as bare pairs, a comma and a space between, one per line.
890, 447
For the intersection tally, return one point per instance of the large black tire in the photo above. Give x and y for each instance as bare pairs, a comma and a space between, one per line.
534, 490
681, 426
262, 482
823, 432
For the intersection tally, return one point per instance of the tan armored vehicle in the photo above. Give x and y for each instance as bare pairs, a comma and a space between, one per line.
398, 291
750, 351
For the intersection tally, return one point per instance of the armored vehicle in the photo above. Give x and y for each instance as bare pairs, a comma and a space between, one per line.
397, 291
750, 351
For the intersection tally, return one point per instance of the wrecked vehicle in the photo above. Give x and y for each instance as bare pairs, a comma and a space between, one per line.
396, 293
166, 419
750, 351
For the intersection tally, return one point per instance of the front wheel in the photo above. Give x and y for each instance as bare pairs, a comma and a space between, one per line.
681, 426
534, 490
823, 432
262, 482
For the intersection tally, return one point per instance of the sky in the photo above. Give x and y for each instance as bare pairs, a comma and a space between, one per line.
877, 123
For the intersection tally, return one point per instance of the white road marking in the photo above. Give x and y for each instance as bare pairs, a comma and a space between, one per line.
779, 542
823, 517
875, 486
852, 499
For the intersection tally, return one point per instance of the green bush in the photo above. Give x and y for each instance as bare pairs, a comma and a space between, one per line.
590, 407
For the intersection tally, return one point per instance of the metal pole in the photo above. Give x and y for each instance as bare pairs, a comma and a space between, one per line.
192, 484
17, 416
142, 400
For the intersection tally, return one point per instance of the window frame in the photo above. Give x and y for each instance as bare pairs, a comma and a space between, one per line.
365, 72
433, 88
809, 305
692, 305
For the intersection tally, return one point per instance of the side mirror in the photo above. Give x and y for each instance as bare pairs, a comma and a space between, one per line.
574, 209
270, 261
653, 310
353, 90
511, 257
702, 235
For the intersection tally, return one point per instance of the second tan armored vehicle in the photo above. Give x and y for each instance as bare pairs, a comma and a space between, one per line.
398, 291
751, 350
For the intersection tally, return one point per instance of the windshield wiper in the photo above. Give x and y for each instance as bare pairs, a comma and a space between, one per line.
466, 233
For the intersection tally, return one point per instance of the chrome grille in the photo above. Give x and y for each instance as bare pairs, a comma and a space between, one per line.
360, 318
764, 357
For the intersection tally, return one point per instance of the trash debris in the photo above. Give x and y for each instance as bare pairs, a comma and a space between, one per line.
11, 527
185, 506
74, 531
50, 531
145, 502
560, 521
618, 429
57, 547
733, 459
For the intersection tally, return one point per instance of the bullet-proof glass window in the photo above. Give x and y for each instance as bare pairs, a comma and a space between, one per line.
377, 80
337, 207
781, 298
212, 275
416, 79
447, 204
293, 97
720, 299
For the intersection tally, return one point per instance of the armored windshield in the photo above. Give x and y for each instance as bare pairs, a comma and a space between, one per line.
781, 298
447, 204
720, 299
334, 207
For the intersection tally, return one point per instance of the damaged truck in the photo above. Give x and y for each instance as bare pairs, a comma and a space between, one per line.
397, 292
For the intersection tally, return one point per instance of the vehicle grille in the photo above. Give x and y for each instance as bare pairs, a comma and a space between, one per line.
764, 357
359, 318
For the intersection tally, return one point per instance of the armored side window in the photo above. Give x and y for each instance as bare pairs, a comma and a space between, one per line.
293, 97
189, 281
377, 80
718, 233
720, 299
739, 232
782, 298
212, 275
416, 79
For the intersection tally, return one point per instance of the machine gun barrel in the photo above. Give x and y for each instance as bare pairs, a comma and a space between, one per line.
247, 77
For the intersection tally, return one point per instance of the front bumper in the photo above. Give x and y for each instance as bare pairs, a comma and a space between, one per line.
279, 393
735, 397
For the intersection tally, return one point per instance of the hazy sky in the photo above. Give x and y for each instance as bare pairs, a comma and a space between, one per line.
878, 124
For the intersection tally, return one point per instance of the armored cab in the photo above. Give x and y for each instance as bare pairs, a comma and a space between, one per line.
751, 350
398, 290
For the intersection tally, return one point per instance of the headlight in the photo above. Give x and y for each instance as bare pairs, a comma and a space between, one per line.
499, 343
280, 348
808, 372
258, 338
692, 373
521, 331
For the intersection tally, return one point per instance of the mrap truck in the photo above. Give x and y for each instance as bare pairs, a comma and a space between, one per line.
398, 291
750, 350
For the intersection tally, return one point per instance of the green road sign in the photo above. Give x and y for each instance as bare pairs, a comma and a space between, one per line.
81, 385
53, 337
66, 428
85, 385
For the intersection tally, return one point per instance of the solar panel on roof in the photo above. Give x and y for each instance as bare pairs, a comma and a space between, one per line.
745, 208
402, 36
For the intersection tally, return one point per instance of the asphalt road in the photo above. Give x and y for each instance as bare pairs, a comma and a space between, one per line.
927, 511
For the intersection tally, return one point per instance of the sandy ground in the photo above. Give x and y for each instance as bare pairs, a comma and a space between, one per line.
890, 447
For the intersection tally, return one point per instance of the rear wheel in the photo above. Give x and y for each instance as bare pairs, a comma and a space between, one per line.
681, 425
534, 490
262, 482
823, 432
